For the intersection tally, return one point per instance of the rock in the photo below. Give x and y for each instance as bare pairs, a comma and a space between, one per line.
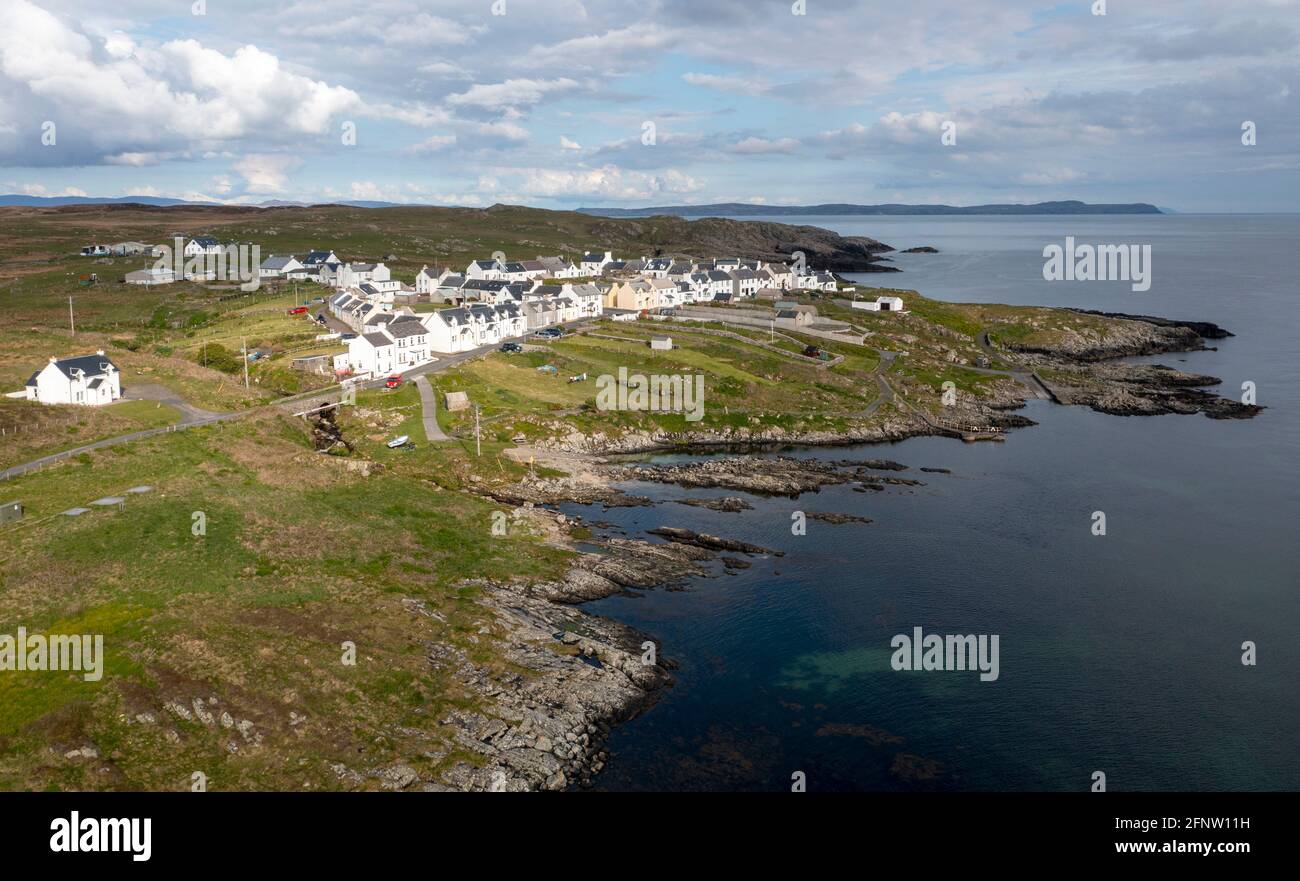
730, 504
836, 518
712, 542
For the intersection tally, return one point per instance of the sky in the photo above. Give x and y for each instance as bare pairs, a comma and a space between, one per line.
624, 103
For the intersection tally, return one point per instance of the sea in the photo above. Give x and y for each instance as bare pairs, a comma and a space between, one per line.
1164, 654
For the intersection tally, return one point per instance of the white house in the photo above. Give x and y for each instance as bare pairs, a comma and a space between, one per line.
150, 275
463, 328
319, 258
278, 267
593, 264
88, 380
559, 267
203, 245
372, 353
428, 279
880, 304
483, 269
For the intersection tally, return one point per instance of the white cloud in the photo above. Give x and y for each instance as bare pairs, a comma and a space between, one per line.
266, 172
568, 144
736, 84
511, 93
758, 146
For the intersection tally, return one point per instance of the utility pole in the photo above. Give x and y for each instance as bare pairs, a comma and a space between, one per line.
71, 319
478, 434
245, 362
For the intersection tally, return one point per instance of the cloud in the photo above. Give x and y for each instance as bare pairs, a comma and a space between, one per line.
757, 146
110, 97
511, 93
266, 173
568, 144
735, 84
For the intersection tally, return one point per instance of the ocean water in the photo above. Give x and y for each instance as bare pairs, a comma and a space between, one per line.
1118, 653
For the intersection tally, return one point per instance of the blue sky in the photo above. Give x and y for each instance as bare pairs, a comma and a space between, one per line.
548, 103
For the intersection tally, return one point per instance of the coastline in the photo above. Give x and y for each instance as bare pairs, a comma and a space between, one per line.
600, 678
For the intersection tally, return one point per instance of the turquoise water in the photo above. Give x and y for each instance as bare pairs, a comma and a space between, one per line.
1118, 654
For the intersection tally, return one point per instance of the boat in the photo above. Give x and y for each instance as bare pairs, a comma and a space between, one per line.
399, 442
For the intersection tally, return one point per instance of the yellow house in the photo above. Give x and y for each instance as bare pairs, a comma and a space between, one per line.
636, 295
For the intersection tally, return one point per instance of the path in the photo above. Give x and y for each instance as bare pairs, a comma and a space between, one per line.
193, 417
151, 391
429, 400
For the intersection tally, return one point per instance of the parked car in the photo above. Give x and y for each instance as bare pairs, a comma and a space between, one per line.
511, 348
394, 381
321, 318
298, 310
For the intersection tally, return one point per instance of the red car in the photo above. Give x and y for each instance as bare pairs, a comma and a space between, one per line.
394, 381
298, 310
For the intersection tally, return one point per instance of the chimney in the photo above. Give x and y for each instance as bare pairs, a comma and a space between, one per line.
100, 353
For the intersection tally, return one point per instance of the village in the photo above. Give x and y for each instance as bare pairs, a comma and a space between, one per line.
383, 326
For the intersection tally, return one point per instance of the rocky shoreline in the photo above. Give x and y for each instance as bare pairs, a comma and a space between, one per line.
586, 673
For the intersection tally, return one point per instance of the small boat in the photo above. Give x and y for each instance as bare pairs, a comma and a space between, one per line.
399, 442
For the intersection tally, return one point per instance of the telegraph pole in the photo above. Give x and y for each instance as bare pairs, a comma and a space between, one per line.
72, 321
245, 362
478, 434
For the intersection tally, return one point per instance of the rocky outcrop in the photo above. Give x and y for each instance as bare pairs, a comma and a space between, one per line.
711, 542
545, 729
730, 504
1206, 329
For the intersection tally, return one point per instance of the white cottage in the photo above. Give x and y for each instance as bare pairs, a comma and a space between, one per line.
88, 380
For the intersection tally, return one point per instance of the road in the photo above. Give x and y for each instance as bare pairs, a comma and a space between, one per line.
193, 417
429, 401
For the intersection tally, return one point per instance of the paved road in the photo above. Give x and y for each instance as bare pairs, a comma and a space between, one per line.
886, 392
1027, 378
429, 400
193, 417
151, 391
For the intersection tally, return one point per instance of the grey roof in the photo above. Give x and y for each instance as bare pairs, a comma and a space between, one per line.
378, 340
316, 257
90, 365
206, 241
718, 275
453, 281
274, 262
406, 327
32, 381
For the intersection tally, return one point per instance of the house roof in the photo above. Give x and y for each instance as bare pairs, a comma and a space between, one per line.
376, 339
406, 327
274, 262
206, 241
90, 365
317, 257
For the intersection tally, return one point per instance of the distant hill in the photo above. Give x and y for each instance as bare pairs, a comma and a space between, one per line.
15, 199
745, 209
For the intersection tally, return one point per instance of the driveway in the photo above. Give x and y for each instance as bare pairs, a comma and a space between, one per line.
429, 400
152, 391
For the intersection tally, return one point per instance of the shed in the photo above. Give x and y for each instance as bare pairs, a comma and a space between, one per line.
661, 342
11, 511
457, 401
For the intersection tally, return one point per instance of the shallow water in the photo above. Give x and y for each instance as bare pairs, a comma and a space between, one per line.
1119, 653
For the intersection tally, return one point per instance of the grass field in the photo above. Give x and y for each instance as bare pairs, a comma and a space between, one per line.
299, 556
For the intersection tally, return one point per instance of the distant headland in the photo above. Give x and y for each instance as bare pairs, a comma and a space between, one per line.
747, 209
